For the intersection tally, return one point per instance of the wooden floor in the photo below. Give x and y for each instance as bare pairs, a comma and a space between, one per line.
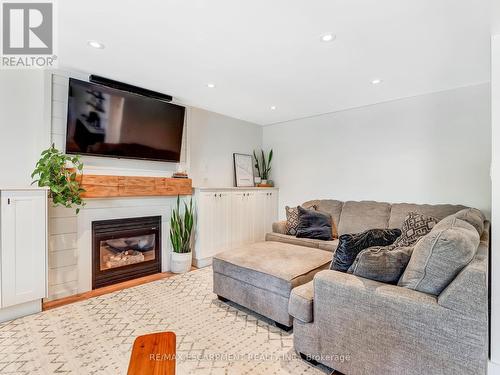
107, 289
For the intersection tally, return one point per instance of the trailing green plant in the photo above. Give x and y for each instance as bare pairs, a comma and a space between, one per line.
263, 165
64, 183
181, 227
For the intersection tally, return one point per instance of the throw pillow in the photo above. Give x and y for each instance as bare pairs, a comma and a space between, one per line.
382, 263
350, 245
440, 255
415, 226
474, 217
314, 224
292, 219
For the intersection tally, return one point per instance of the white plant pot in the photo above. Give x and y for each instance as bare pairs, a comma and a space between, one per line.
181, 262
264, 182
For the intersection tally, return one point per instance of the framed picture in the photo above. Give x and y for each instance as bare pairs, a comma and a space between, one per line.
243, 170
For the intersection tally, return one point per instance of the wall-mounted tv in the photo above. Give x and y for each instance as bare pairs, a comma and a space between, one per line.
104, 121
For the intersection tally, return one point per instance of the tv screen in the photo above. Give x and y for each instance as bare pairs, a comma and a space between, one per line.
104, 121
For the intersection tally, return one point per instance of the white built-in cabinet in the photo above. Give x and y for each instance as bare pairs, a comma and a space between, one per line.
23, 251
229, 218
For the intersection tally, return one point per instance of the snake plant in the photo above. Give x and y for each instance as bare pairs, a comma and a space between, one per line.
181, 226
263, 166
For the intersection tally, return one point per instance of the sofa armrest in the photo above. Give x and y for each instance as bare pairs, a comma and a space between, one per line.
363, 315
279, 227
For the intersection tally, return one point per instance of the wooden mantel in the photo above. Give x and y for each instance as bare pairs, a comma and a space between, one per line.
103, 186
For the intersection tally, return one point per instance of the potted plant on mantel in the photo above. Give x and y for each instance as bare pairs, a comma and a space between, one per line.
263, 166
181, 227
64, 183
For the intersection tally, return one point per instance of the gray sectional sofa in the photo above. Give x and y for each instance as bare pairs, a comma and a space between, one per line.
357, 325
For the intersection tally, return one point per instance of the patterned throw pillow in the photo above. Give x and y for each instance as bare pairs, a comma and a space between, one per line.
415, 226
292, 219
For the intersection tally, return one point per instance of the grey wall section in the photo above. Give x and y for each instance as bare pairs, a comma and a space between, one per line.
213, 138
433, 148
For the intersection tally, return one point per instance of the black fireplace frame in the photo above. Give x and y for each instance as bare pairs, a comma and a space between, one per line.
118, 228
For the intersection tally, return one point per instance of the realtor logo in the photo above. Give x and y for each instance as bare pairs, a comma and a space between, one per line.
27, 34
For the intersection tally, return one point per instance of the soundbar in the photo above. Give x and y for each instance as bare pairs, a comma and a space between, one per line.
130, 88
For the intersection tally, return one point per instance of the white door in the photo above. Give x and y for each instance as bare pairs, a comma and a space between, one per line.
242, 218
260, 219
271, 213
204, 245
221, 222
249, 221
23, 246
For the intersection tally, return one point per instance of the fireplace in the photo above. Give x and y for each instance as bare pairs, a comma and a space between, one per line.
125, 249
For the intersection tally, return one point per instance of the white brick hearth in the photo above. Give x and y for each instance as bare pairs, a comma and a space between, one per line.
70, 238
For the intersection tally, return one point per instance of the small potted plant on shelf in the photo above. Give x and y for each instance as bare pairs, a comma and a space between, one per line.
181, 226
64, 183
263, 165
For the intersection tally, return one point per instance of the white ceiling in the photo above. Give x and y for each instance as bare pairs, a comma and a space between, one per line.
262, 53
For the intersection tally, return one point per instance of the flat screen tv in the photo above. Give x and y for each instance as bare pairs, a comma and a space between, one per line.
104, 121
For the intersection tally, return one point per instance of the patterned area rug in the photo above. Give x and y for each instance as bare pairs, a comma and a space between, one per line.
96, 336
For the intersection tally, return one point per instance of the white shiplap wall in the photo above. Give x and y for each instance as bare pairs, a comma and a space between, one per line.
63, 258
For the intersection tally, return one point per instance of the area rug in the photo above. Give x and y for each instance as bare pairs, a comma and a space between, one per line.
95, 336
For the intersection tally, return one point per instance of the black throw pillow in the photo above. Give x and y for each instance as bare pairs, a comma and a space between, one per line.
350, 245
314, 224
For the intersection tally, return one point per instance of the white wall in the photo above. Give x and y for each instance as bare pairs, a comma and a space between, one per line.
23, 129
495, 208
427, 149
213, 138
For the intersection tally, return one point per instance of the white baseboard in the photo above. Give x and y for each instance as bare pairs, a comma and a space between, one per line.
23, 309
493, 368
200, 263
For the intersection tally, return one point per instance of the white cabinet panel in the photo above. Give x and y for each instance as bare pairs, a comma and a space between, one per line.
23, 246
230, 218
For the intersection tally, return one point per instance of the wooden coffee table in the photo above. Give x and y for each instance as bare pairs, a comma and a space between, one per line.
153, 354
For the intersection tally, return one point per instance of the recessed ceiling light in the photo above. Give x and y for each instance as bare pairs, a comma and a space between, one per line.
95, 44
376, 81
211, 85
328, 37
273, 107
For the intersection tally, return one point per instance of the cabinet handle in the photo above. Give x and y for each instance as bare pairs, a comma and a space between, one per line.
8, 200
220, 195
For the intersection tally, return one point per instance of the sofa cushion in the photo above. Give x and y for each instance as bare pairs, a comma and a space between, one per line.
399, 211
415, 226
382, 263
314, 224
333, 207
329, 245
300, 305
285, 238
359, 216
474, 217
273, 266
440, 255
350, 245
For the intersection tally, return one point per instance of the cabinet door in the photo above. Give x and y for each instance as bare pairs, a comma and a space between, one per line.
249, 214
23, 246
260, 219
238, 200
271, 212
204, 245
222, 223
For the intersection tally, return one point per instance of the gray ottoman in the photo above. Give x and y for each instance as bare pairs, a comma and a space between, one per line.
261, 276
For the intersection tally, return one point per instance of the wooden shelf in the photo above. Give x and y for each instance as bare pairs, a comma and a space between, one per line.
104, 186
